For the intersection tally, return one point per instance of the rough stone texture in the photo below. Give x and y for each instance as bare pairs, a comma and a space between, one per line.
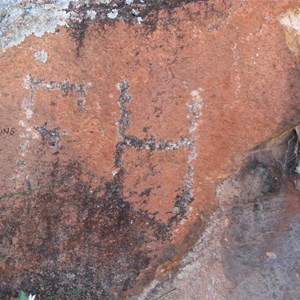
118, 132
251, 248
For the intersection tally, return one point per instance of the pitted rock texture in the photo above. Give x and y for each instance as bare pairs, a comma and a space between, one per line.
117, 128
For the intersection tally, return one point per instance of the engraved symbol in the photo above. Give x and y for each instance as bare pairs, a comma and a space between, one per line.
32, 131
188, 142
151, 144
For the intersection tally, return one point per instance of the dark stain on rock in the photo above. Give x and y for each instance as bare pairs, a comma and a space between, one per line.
138, 11
86, 235
49, 136
268, 181
84, 232
261, 244
182, 200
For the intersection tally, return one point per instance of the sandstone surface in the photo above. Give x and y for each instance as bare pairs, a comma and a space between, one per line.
132, 129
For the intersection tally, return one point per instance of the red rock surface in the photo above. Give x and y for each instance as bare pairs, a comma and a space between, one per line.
122, 137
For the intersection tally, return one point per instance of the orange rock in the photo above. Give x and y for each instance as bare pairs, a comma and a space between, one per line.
137, 112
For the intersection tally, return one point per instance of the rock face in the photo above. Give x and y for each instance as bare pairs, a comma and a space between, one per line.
130, 129
250, 249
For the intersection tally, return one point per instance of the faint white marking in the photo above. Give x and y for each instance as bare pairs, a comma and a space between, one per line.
235, 54
237, 78
28, 102
271, 255
194, 113
42, 56
194, 110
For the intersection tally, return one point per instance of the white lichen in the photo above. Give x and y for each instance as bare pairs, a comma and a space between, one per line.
16, 25
113, 14
20, 19
91, 14
103, 1
41, 56
135, 12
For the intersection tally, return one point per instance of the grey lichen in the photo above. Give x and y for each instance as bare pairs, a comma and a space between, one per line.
19, 19
22, 18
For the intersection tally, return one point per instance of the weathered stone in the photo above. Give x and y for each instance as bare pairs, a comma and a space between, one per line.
291, 22
250, 249
120, 119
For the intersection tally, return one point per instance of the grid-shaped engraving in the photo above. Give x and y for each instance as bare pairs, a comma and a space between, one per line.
152, 144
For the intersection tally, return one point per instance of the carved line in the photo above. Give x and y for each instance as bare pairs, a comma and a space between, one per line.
151, 144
